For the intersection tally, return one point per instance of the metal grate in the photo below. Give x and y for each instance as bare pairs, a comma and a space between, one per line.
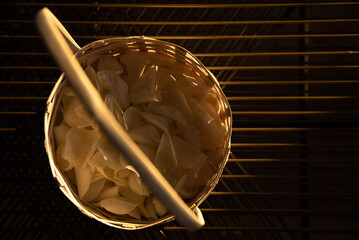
290, 70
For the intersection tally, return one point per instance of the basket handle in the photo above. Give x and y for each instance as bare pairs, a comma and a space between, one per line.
54, 32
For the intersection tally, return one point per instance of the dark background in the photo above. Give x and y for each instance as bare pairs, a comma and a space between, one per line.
292, 79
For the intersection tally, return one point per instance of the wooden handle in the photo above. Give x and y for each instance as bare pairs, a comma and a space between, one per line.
58, 40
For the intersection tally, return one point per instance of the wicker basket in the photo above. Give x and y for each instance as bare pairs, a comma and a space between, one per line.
53, 116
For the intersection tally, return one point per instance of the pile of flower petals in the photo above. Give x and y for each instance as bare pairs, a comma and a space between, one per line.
169, 111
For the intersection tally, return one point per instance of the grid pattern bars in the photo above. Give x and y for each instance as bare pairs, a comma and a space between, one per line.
290, 71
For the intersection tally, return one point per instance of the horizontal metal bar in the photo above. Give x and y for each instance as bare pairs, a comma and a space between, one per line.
297, 78
30, 67
275, 98
254, 54
317, 177
276, 36
298, 150
25, 53
7, 129
277, 160
308, 21
279, 67
25, 83
291, 212
229, 98
285, 136
337, 183
295, 167
288, 212
302, 194
294, 129
332, 178
23, 98
220, 82
282, 112
290, 82
293, 145
17, 113
213, 67
269, 82
277, 129
238, 210
332, 121
128, 5
256, 229
259, 36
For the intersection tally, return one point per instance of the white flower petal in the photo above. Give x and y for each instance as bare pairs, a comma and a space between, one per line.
160, 208
107, 62
86, 117
62, 163
146, 135
135, 213
186, 194
214, 155
91, 73
109, 154
114, 108
210, 103
122, 173
71, 117
104, 81
96, 175
60, 133
130, 194
66, 97
170, 112
166, 159
142, 209
121, 93
118, 205
108, 191
137, 185
71, 176
161, 122
94, 190
159, 60
80, 145
92, 60
205, 173
150, 208
144, 90
191, 135
175, 175
190, 187
180, 183
83, 180
212, 130
106, 172
110, 82
175, 98
135, 64
187, 155
96, 160
167, 79
132, 118
121, 181
192, 85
